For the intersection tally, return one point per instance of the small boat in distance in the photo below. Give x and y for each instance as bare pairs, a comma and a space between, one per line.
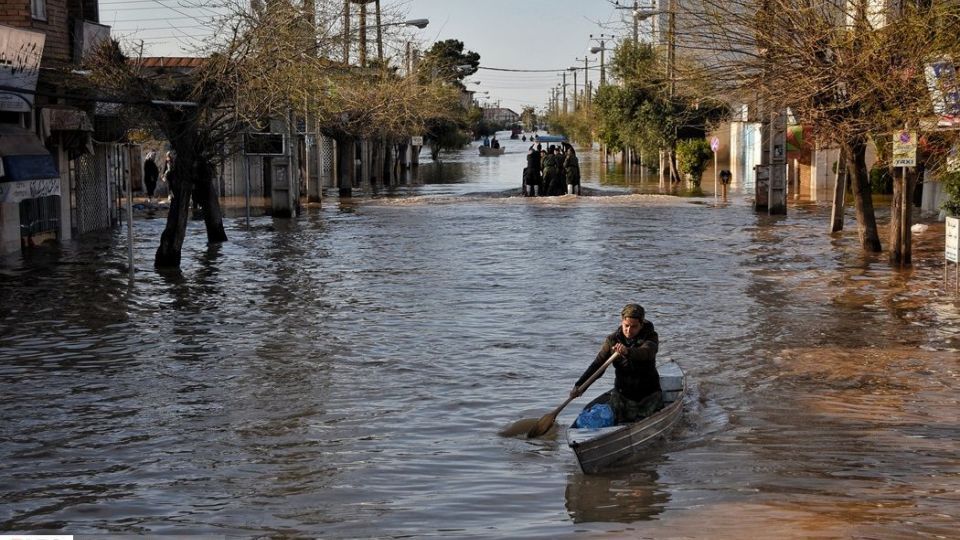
549, 138
597, 449
491, 151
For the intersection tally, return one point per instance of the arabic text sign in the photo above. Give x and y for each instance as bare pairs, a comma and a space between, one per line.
20, 53
905, 149
941, 78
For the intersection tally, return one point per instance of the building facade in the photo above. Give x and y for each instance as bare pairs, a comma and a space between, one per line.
500, 116
48, 163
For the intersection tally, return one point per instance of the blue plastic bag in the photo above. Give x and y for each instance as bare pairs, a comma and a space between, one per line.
597, 416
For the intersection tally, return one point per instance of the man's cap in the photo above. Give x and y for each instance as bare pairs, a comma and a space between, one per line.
632, 311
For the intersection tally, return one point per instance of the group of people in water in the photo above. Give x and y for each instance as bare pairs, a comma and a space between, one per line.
551, 171
494, 143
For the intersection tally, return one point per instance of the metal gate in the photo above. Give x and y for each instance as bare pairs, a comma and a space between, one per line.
91, 205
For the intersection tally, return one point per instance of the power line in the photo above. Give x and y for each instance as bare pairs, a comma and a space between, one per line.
526, 70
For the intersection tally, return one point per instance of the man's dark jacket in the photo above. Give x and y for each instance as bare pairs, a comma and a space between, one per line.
636, 375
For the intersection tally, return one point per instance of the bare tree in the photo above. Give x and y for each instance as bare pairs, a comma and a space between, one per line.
264, 62
851, 70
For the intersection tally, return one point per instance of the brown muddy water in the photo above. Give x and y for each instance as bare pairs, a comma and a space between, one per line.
345, 374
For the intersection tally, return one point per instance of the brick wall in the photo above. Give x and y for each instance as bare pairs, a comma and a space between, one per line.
15, 13
56, 49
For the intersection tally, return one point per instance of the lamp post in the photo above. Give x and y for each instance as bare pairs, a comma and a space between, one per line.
639, 14
602, 39
600, 49
418, 23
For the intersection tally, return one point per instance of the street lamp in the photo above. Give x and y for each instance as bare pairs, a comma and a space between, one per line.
639, 14
601, 49
419, 23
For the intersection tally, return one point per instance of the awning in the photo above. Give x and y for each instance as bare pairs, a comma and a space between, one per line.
74, 126
28, 169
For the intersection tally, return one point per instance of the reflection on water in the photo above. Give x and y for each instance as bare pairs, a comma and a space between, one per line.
345, 374
625, 495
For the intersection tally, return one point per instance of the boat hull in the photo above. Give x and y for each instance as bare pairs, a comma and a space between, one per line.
598, 449
490, 151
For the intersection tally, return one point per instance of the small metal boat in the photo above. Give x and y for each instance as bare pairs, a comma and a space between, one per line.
491, 151
597, 449
545, 138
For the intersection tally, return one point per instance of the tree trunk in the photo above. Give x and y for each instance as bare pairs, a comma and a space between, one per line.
896, 209
208, 199
839, 195
386, 161
854, 151
901, 216
191, 175
180, 181
346, 156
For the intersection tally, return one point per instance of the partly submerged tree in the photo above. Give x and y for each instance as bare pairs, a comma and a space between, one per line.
528, 117
852, 70
693, 156
271, 60
446, 61
188, 108
446, 64
650, 111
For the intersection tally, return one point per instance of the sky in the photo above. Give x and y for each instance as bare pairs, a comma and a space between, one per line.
540, 36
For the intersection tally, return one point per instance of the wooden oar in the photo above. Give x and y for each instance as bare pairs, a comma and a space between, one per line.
546, 421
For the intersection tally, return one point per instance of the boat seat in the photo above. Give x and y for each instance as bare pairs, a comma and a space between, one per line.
671, 381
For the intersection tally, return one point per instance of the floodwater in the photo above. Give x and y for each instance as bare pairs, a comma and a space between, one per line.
345, 374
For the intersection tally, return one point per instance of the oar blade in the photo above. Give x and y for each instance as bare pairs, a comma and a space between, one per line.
542, 426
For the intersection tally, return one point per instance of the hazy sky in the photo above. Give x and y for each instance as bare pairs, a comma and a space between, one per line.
508, 34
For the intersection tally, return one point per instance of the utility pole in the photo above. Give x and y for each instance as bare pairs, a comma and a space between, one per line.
574, 70
586, 81
379, 33
601, 49
363, 34
672, 47
777, 202
564, 92
346, 32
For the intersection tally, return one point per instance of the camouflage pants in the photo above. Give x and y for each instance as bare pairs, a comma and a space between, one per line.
626, 410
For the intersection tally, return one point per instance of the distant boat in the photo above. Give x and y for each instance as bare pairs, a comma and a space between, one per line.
491, 151
550, 138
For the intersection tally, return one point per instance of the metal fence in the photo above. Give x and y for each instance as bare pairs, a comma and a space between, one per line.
91, 206
40, 215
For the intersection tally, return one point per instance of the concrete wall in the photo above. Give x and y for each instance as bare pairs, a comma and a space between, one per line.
9, 228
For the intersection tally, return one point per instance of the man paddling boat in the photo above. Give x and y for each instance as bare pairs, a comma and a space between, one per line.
636, 390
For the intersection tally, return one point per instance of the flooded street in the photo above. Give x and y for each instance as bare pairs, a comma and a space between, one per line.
345, 374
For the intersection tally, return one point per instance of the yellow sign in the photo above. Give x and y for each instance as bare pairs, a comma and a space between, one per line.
905, 149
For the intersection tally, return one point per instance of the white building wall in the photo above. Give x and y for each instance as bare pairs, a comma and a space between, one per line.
744, 153
933, 197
